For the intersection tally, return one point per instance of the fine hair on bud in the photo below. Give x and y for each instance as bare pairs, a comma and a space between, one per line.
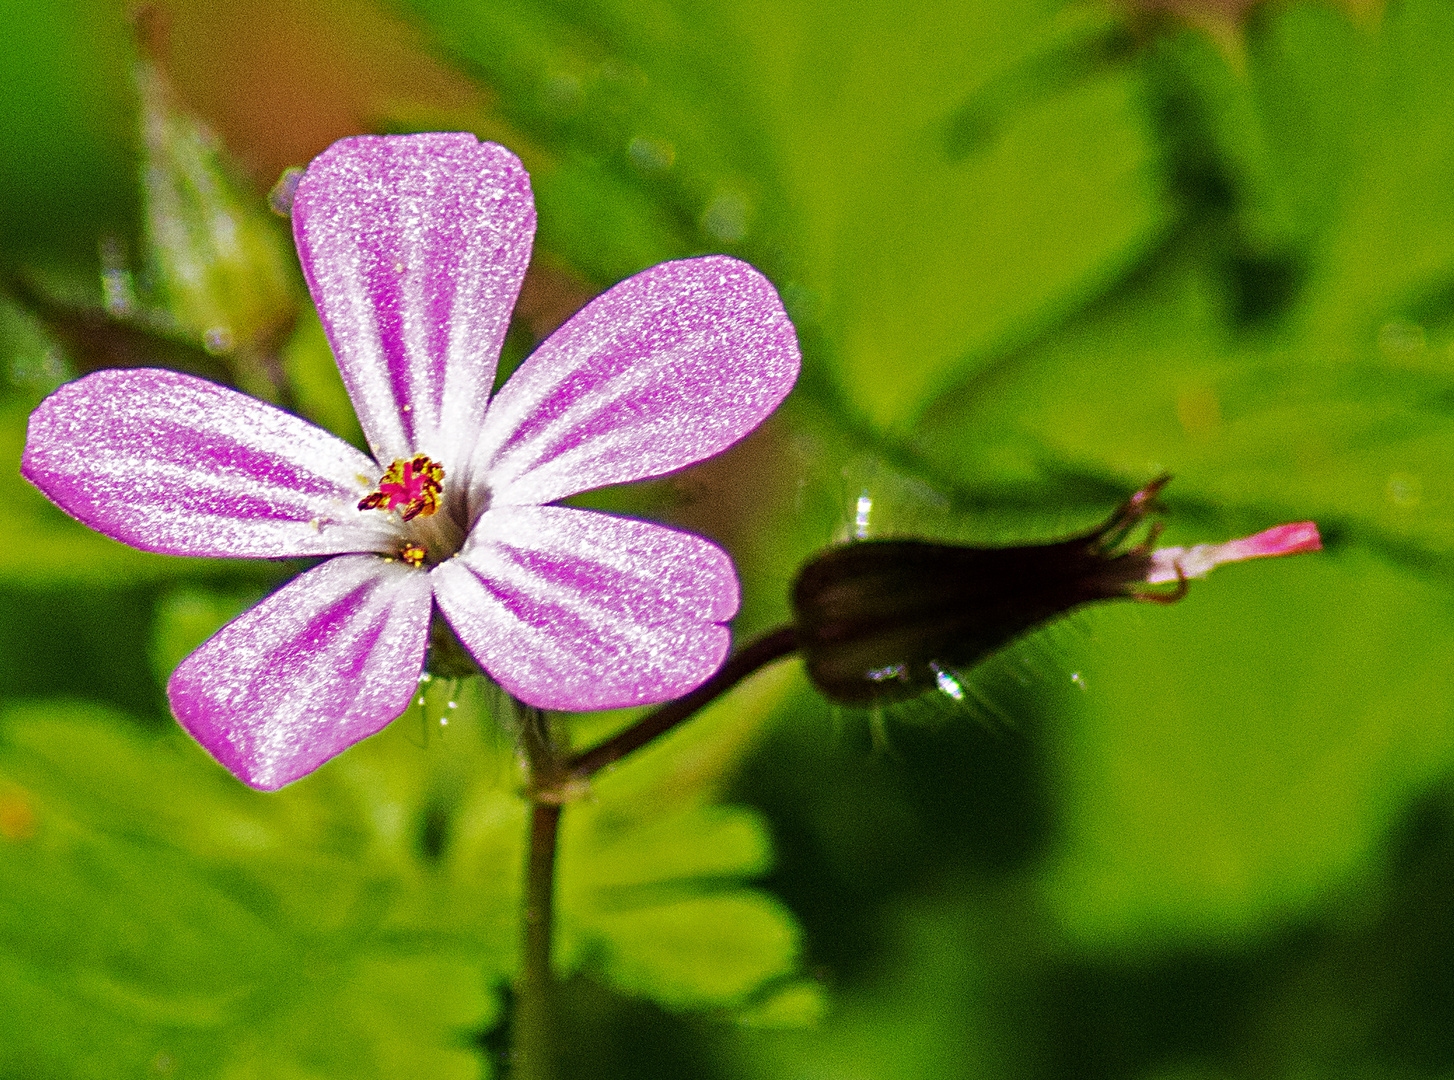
885, 620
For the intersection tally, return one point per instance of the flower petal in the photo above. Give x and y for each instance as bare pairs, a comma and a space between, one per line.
414, 248
571, 609
172, 463
327, 660
666, 368
1174, 563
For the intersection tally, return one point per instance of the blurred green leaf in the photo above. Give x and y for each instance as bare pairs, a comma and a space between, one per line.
1381, 154
932, 247
223, 262
796, 1005
1338, 412
651, 870
1156, 381
927, 190
1230, 762
34, 363
314, 379
188, 923
699, 950
67, 166
187, 617
901, 1026
354, 924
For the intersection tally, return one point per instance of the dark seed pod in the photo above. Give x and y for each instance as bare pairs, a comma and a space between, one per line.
880, 620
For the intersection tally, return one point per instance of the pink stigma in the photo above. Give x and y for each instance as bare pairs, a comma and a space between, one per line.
411, 487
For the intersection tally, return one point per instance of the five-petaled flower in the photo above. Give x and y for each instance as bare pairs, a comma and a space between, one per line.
414, 249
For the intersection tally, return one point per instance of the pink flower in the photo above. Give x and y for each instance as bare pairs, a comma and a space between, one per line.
414, 248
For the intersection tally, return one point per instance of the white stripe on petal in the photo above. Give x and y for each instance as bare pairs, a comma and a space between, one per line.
327, 660
571, 609
172, 463
414, 248
667, 368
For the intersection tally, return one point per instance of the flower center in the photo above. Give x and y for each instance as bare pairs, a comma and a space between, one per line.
412, 487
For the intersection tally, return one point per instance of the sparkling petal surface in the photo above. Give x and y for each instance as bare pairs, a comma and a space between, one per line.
414, 248
666, 368
571, 609
172, 463
325, 661
1202, 559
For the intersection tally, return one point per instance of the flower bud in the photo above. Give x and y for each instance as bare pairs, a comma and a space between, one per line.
881, 620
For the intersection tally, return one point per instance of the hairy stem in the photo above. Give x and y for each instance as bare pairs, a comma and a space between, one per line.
771, 646
534, 1043
533, 1055
534, 1029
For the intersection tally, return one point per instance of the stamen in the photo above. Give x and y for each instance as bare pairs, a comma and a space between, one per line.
413, 553
412, 487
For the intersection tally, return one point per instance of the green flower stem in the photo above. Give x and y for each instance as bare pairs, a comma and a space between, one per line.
534, 1026
771, 646
555, 780
533, 1054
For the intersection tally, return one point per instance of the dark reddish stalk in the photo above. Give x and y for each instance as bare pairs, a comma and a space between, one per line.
759, 653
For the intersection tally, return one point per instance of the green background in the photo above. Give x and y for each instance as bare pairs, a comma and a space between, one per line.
1037, 253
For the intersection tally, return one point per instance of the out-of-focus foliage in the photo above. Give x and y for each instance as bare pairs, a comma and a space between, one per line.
1037, 252
224, 270
359, 923
852, 151
67, 151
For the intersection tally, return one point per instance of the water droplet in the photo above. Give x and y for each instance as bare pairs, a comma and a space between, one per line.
860, 517
947, 683
217, 340
1077, 678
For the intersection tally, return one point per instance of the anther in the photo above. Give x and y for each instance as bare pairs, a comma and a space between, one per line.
412, 487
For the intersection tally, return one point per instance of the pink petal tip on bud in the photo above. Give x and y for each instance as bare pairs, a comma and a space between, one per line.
1178, 563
